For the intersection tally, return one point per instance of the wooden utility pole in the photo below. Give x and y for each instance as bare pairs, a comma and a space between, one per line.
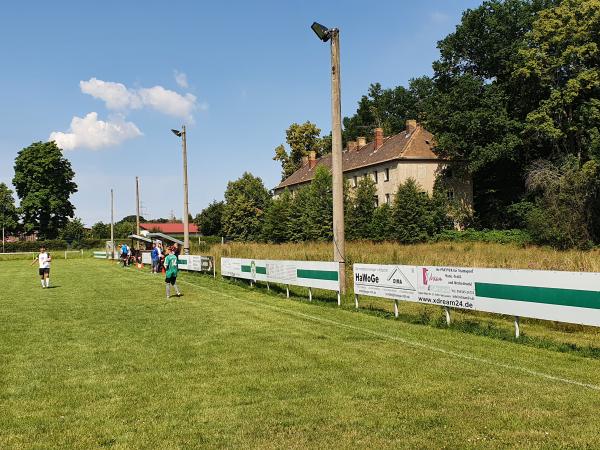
186, 230
339, 250
137, 206
112, 225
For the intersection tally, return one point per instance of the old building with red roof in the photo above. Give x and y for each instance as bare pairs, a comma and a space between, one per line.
389, 161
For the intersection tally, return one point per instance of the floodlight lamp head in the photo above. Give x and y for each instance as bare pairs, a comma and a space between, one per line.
176, 132
321, 31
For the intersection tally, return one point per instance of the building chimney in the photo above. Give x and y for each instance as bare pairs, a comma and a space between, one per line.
378, 138
362, 141
304, 160
411, 125
352, 146
312, 159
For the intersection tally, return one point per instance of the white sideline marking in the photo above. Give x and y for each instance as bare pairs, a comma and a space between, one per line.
407, 342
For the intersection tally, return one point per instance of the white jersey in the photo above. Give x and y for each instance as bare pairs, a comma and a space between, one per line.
44, 260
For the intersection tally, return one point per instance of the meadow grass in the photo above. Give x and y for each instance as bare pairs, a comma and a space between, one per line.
556, 335
103, 360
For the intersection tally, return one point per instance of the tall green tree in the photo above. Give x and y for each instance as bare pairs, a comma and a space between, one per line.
44, 183
210, 219
561, 57
298, 218
412, 214
9, 216
73, 231
361, 209
277, 218
301, 139
384, 108
382, 224
319, 207
246, 201
100, 230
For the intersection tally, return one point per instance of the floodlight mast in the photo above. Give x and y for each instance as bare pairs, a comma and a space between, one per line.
339, 248
186, 231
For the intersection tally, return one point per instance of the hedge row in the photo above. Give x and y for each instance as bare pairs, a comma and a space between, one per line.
54, 244
519, 237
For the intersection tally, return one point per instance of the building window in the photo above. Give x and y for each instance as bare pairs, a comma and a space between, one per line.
387, 199
376, 200
375, 179
450, 194
354, 181
386, 175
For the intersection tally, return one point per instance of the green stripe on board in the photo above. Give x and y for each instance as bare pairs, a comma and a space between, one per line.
182, 261
261, 270
317, 274
533, 294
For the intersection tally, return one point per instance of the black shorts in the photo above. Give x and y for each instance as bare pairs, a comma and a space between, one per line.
171, 280
44, 271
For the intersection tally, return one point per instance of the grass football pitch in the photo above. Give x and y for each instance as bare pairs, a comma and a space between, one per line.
103, 360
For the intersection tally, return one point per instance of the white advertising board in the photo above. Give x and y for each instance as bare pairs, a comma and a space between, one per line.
195, 263
572, 297
315, 274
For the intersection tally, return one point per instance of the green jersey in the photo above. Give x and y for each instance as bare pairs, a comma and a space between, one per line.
171, 265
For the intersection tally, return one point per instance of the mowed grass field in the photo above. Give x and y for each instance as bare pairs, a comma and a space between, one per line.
103, 360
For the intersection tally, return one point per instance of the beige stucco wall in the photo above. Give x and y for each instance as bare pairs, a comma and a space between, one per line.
424, 172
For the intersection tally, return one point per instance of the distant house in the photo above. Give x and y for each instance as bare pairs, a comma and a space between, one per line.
389, 161
168, 228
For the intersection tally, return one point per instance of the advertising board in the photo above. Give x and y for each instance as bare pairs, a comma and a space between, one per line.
572, 297
313, 274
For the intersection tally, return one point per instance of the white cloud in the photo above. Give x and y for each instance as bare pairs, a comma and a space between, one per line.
115, 95
169, 102
119, 97
181, 79
89, 132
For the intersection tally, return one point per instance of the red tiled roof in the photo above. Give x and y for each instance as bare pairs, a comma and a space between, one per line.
417, 145
168, 227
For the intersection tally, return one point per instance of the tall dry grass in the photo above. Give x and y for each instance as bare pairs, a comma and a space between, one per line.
467, 254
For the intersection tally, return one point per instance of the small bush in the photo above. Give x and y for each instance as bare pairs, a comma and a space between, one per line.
519, 237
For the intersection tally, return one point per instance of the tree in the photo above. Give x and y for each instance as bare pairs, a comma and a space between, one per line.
361, 209
9, 216
44, 183
132, 219
246, 201
385, 108
298, 224
276, 223
567, 210
319, 207
210, 220
100, 230
382, 225
562, 58
301, 139
73, 231
417, 217
124, 229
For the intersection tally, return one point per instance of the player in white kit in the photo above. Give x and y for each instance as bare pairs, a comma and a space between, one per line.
44, 259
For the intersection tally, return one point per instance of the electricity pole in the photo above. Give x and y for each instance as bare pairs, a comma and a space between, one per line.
186, 227
112, 225
339, 250
137, 206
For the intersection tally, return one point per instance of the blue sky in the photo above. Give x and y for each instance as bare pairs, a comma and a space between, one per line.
110, 79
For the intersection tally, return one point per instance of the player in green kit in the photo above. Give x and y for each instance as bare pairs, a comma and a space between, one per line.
171, 272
